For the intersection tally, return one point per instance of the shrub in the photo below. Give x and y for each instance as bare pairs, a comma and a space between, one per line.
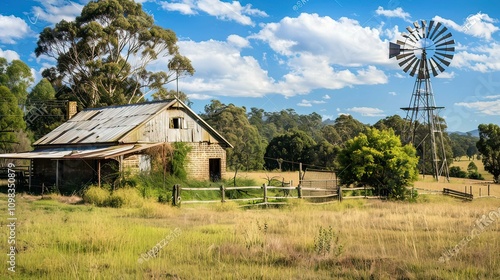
96, 196
114, 201
130, 197
475, 175
457, 172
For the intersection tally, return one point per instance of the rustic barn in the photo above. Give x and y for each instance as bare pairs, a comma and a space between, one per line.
97, 143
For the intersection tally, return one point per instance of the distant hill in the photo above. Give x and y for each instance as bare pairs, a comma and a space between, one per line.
474, 132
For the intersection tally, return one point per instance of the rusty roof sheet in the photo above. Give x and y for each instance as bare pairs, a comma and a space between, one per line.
84, 153
102, 125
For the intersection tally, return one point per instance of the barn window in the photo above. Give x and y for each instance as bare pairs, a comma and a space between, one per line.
176, 123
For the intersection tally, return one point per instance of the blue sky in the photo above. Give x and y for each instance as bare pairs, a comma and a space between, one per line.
323, 56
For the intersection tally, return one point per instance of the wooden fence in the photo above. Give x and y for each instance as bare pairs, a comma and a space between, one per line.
271, 194
464, 195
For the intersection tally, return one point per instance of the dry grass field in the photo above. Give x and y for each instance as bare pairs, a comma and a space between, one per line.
435, 238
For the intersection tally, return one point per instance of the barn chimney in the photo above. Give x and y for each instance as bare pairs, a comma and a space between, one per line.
71, 109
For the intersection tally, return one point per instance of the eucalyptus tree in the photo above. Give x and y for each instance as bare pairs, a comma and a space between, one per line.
106, 55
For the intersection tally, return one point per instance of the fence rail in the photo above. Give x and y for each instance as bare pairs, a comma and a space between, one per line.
264, 197
464, 195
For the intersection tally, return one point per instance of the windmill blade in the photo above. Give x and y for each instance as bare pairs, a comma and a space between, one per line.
451, 42
405, 44
434, 72
401, 56
410, 64
394, 50
445, 62
443, 38
441, 68
438, 25
431, 24
407, 60
406, 36
452, 49
417, 65
443, 30
449, 56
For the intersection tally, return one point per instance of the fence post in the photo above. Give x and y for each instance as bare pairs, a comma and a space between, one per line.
223, 193
364, 190
479, 192
339, 191
299, 191
176, 195
264, 186
465, 189
470, 189
488, 189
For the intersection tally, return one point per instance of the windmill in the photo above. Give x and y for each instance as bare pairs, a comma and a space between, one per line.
427, 49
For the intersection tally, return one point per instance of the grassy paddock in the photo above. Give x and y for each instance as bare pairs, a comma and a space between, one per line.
368, 238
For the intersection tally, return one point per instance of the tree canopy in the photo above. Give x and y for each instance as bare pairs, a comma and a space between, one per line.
231, 121
103, 56
378, 159
489, 146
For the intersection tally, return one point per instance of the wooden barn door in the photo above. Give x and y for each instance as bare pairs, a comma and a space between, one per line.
214, 167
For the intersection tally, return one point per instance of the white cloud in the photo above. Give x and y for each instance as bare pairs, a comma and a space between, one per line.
314, 63
482, 59
222, 70
9, 55
326, 97
393, 93
446, 75
397, 13
343, 42
238, 41
53, 11
478, 25
491, 108
183, 8
229, 11
310, 103
13, 28
367, 111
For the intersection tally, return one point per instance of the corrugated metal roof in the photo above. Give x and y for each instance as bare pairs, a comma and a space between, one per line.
101, 125
88, 153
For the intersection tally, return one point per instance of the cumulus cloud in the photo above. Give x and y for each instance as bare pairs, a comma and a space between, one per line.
483, 59
53, 11
491, 108
229, 11
367, 111
397, 13
9, 55
478, 25
13, 28
343, 42
310, 103
222, 70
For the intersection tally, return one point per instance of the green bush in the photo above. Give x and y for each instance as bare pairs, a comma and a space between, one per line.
114, 201
457, 172
130, 197
96, 196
